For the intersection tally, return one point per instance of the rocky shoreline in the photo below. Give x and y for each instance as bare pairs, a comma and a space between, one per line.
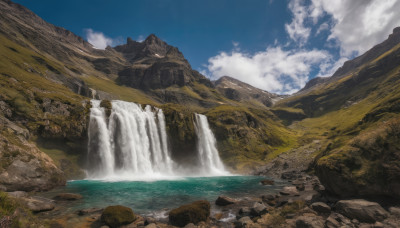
303, 203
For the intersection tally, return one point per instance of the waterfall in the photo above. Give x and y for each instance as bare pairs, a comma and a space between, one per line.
131, 144
210, 161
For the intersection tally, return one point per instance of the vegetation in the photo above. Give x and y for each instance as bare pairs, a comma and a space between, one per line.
116, 216
191, 213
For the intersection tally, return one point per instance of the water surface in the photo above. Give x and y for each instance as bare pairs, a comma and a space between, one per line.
155, 196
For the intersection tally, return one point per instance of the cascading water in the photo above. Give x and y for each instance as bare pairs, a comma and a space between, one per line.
133, 145
211, 164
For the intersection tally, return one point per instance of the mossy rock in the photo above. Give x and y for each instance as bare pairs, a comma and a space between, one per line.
195, 212
106, 104
116, 216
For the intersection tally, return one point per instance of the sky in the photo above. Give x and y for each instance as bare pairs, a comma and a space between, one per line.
275, 45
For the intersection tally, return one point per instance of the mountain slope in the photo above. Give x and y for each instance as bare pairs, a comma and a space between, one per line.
357, 116
243, 92
48, 75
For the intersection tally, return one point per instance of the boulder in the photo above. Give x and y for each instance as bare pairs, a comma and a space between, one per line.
190, 213
309, 222
289, 190
267, 182
321, 208
243, 212
39, 204
68, 196
258, 209
243, 222
116, 216
224, 200
362, 210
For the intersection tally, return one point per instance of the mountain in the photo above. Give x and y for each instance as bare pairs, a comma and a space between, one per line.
344, 128
356, 114
240, 91
48, 76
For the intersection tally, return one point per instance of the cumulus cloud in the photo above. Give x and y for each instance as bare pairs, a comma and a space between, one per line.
297, 29
98, 39
357, 24
274, 69
352, 26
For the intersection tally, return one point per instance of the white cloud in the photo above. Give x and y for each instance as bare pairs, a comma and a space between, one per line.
328, 68
296, 29
274, 69
324, 26
358, 25
98, 39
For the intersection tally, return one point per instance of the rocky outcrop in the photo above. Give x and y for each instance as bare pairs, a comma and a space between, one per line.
368, 166
23, 166
361, 210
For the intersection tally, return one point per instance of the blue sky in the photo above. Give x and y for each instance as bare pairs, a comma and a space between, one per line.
276, 45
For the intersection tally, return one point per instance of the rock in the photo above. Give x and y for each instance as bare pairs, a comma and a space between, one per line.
243, 212
332, 223
321, 208
362, 210
89, 211
190, 213
267, 182
309, 222
243, 222
395, 211
289, 190
149, 220
68, 196
224, 200
190, 225
268, 197
319, 188
118, 215
152, 225
39, 204
17, 194
258, 209
336, 220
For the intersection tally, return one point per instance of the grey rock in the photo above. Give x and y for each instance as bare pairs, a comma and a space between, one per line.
17, 194
89, 211
289, 190
243, 222
224, 200
321, 207
243, 212
39, 204
395, 211
68, 196
362, 210
152, 225
258, 209
309, 222
190, 225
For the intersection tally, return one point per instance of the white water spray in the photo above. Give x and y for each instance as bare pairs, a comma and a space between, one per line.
209, 159
132, 144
